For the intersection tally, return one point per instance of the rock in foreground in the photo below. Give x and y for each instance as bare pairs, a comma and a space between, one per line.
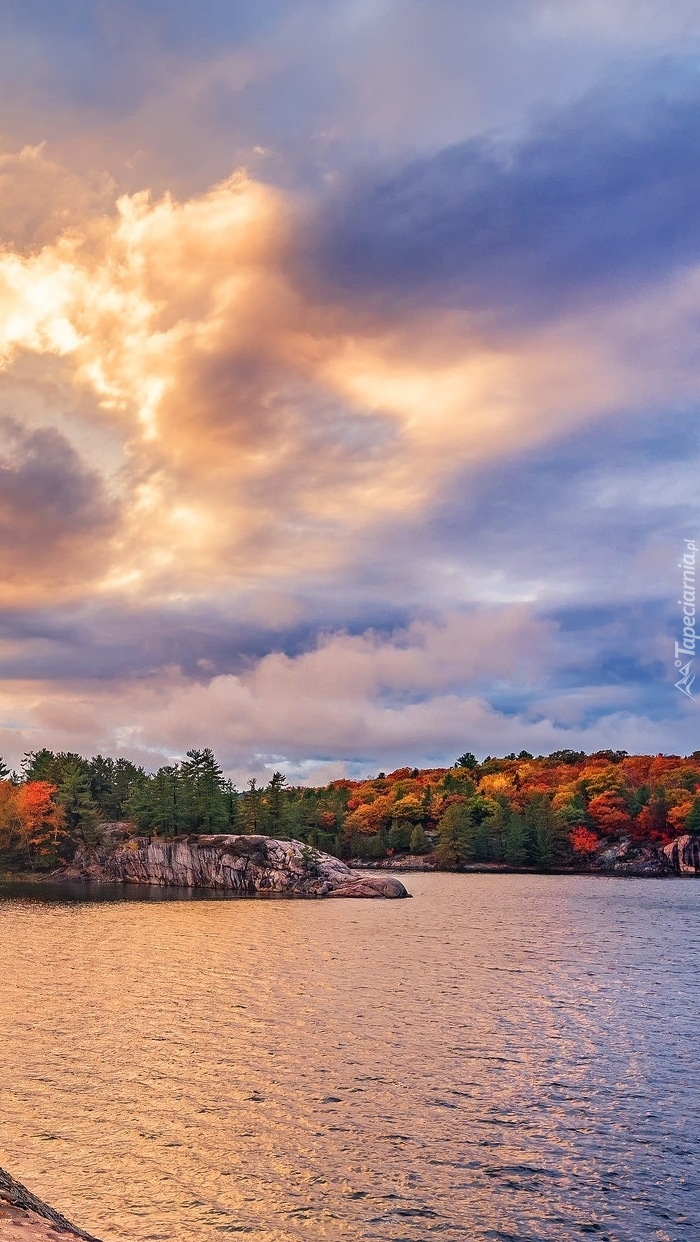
21, 1210
237, 864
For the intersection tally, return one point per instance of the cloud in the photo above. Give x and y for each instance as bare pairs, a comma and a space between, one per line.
598, 199
392, 493
174, 95
350, 703
55, 515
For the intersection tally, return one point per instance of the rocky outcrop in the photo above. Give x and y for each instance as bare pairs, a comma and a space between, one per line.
20, 1209
631, 858
683, 855
679, 857
397, 862
237, 864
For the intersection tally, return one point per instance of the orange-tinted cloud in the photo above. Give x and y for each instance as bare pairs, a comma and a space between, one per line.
255, 429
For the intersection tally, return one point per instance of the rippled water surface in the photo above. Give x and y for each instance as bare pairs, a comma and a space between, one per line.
503, 1057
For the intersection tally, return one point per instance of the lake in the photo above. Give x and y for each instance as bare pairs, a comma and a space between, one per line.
502, 1057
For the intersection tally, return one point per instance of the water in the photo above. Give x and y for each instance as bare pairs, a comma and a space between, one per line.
503, 1057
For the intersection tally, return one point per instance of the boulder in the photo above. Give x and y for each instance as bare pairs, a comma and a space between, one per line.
370, 886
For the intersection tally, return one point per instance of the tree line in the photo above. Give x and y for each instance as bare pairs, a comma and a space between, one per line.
518, 810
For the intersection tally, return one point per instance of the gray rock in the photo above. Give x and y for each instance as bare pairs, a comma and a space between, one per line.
683, 855
370, 886
239, 864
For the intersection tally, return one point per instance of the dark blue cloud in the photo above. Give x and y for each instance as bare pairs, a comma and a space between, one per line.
602, 196
50, 499
115, 641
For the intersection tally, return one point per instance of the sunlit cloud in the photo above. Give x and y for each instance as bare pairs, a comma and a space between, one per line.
261, 427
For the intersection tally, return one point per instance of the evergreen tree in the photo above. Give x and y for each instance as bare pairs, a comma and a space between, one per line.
497, 826
419, 843
275, 805
692, 823
546, 831
400, 834
515, 846
202, 782
467, 760
102, 785
4, 770
481, 843
111, 785
231, 801
574, 814
167, 811
81, 815
252, 808
455, 836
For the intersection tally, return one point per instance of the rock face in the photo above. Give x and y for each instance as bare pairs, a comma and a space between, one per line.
397, 862
683, 855
629, 858
237, 864
20, 1209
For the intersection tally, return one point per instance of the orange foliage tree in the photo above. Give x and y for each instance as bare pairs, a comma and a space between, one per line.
31, 822
583, 841
609, 814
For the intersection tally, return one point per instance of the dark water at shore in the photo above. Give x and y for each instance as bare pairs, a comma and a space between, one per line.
504, 1057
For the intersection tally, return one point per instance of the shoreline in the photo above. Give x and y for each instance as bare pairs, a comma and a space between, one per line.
58, 880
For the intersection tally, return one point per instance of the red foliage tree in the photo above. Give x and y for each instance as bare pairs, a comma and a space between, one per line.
583, 841
609, 814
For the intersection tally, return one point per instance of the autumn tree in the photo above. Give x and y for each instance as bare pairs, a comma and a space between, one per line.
609, 814
41, 822
32, 825
583, 842
652, 822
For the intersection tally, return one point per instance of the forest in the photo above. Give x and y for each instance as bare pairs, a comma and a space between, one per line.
543, 812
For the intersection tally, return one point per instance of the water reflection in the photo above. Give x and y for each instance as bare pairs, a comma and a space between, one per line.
86, 891
503, 1057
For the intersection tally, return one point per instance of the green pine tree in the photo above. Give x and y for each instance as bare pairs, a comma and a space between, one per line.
419, 843
547, 832
455, 836
80, 807
275, 805
515, 847
204, 803
692, 823
252, 808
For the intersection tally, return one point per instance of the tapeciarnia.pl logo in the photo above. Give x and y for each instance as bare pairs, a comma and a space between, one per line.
687, 647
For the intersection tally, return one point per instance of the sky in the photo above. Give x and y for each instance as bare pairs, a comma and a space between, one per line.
349, 378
